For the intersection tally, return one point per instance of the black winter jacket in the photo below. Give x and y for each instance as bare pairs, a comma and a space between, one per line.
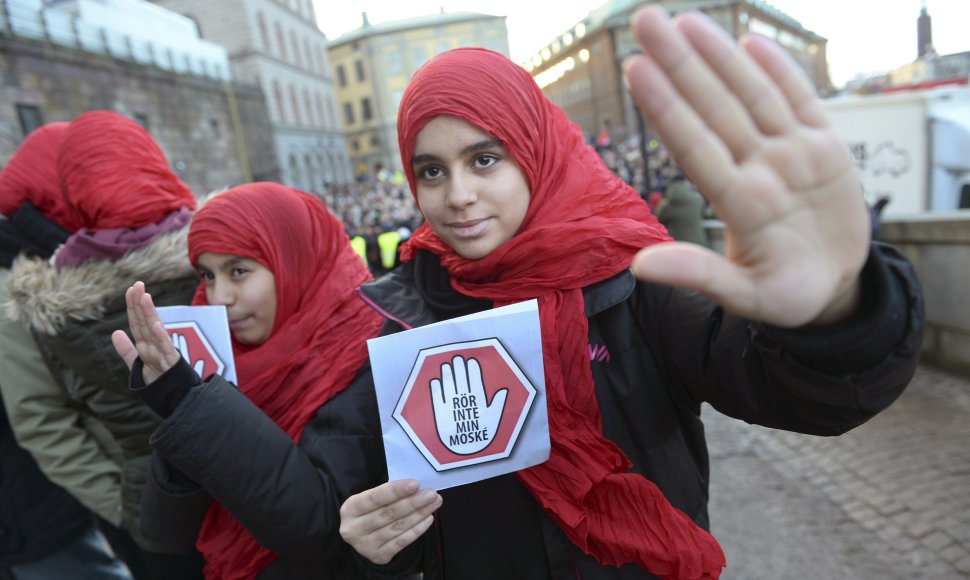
656, 355
215, 444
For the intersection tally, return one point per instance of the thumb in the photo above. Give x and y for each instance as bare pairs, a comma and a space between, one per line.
124, 347
498, 401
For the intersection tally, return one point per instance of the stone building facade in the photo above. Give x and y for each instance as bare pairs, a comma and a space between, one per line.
276, 45
214, 133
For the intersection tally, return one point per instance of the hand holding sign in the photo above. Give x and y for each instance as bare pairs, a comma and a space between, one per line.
182, 345
152, 343
465, 420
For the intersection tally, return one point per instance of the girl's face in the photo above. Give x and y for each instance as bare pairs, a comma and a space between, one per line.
248, 291
471, 191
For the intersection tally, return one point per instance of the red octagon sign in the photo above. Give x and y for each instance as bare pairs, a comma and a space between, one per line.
464, 403
197, 350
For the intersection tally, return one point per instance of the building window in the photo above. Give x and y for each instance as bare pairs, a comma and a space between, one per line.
142, 119
296, 50
365, 112
280, 107
359, 66
30, 118
355, 145
375, 141
331, 112
341, 75
280, 39
308, 107
349, 113
263, 32
322, 116
310, 64
296, 106
214, 128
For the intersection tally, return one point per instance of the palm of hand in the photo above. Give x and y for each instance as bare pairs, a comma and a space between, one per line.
747, 129
796, 228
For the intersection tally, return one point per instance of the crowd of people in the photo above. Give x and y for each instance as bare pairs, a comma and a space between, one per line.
118, 460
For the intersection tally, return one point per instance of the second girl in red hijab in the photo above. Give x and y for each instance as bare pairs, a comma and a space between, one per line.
254, 475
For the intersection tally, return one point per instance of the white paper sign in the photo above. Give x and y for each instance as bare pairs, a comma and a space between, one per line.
201, 334
464, 399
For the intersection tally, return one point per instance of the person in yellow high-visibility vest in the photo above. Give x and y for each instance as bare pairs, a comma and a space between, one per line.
388, 242
359, 244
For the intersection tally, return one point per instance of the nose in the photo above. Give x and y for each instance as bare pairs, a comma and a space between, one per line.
461, 191
219, 293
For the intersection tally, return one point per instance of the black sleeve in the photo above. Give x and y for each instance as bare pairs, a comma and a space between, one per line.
165, 393
820, 380
172, 507
288, 496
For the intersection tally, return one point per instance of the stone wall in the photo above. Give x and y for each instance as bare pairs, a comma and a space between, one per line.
938, 244
214, 134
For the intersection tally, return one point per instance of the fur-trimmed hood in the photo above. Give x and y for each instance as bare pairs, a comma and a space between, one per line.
47, 298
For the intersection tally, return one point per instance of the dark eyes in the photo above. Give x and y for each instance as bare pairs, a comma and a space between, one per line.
482, 161
430, 172
485, 160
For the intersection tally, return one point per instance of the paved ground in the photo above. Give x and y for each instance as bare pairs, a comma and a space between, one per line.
889, 500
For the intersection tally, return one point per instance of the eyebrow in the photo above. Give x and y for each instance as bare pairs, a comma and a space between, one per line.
228, 264
478, 146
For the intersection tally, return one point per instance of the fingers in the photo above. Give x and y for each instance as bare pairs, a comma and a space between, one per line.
124, 347
382, 521
461, 375
703, 157
753, 88
787, 75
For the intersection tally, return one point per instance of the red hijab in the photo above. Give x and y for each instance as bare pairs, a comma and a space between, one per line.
114, 175
318, 342
31, 175
583, 225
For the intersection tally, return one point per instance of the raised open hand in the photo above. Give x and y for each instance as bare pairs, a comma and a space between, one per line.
151, 343
745, 125
465, 419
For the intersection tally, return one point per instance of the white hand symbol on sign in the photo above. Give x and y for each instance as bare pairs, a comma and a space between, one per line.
182, 345
465, 420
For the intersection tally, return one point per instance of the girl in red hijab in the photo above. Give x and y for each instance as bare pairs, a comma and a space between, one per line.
251, 474
518, 207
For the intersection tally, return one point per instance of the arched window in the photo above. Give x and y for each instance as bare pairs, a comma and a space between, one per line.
308, 107
263, 32
320, 114
281, 40
310, 64
296, 50
296, 106
280, 107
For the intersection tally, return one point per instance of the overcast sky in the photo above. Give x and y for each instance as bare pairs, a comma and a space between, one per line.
864, 35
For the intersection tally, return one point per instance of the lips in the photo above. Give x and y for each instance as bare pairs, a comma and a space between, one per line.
469, 228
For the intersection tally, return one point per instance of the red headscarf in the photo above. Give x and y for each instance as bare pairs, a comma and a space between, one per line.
583, 225
318, 340
114, 175
31, 175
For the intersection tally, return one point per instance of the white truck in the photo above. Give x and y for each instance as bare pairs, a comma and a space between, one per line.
913, 147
